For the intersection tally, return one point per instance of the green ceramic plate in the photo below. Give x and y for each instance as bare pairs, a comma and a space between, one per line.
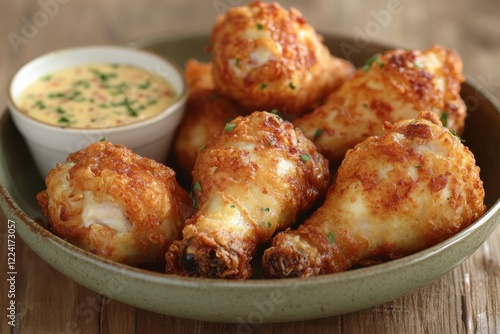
254, 301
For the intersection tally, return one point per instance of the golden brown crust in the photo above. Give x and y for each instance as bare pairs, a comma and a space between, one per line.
266, 57
198, 76
394, 86
251, 179
112, 202
206, 113
392, 196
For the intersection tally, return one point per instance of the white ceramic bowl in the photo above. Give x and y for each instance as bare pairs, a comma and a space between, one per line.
50, 144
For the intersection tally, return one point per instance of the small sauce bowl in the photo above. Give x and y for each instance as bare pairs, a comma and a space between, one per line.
50, 144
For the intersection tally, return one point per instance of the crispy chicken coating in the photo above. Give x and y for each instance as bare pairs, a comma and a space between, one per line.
266, 57
253, 178
116, 204
390, 87
392, 196
206, 113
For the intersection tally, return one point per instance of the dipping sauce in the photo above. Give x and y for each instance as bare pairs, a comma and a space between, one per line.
96, 96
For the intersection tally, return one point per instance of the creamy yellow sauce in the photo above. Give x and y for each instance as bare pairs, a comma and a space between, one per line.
96, 96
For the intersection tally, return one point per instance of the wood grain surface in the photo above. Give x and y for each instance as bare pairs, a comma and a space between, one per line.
466, 300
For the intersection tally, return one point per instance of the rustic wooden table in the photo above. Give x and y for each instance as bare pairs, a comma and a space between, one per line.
47, 300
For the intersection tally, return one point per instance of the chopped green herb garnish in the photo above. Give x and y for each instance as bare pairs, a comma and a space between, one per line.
260, 26
63, 120
103, 76
444, 119
40, 105
291, 85
68, 96
83, 83
331, 237
317, 134
419, 65
232, 206
265, 209
272, 142
371, 60
364, 104
418, 166
202, 147
229, 126
60, 110
102, 139
195, 202
46, 78
131, 111
456, 135
56, 95
236, 61
263, 85
197, 186
153, 101
269, 224
128, 105
116, 89
145, 85
275, 112
305, 157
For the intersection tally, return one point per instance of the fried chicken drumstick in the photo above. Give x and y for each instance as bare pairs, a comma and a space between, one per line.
116, 204
392, 196
390, 87
251, 179
266, 57
206, 113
